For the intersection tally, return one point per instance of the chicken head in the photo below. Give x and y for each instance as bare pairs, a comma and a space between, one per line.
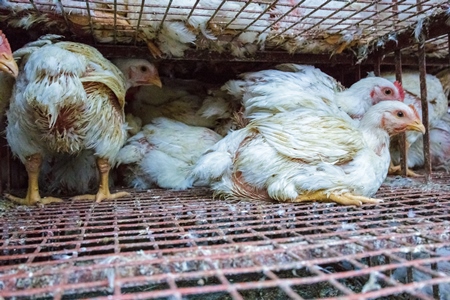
138, 72
7, 62
395, 121
367, 92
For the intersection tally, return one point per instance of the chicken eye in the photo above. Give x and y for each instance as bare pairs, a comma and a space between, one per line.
388, 92
400, 114
144, 69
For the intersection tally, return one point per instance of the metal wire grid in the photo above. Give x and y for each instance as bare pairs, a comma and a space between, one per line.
172, 245
359, 21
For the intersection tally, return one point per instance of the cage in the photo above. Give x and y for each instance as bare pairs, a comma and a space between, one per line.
167, 244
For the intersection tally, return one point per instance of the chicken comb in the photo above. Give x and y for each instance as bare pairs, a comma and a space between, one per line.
4, 44
400, 89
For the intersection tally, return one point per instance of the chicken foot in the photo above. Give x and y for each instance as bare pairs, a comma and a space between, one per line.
344, 199
397, 170
103, 190
33, 165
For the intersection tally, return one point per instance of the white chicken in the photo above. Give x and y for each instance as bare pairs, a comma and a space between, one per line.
444, 78
439, 146
163, 154
306, 155
184, 19
69, 99
317, 26
286, 88
437, 108
189, 101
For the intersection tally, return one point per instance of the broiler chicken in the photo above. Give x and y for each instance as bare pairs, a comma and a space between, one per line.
437, 108
8, 72
272, 91
189, 101
68, 100
163, 154
307, 154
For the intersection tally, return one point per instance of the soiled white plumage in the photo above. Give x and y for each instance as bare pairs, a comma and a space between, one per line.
301, 152
189, 101
69, 99
163, 154
291, 86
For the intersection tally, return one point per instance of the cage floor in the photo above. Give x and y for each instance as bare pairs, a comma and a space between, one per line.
162, 244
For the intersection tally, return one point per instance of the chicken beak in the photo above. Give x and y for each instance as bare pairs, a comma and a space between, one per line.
155, 80
416, 126
9, 65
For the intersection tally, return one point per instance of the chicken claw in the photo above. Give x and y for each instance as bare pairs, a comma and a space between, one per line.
32, 201
103, 190
344, 199
100, 196
397, 170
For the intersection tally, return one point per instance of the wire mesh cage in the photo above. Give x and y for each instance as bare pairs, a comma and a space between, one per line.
164, 244
242, 28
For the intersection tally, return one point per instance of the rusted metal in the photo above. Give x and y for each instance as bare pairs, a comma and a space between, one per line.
435, 26
165, 15
403, 146
424, 101
163, 243
377, 65
255, 20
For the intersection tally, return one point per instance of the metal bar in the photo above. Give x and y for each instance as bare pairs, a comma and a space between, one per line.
403, 145
165, 16
435, 27
280, 18
91, 26
115, 23
377, 64
215, 12
64, 14
192, 10
141, 12
269, 6
358, 72
423, 96
247, 3
298, 22
8, 169
342, 20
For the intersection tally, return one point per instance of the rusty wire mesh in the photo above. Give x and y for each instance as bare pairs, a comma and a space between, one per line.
163, 244
301, 26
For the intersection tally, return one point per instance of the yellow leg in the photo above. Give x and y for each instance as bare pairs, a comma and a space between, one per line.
103, 190
397, 170
33, 166
344, 199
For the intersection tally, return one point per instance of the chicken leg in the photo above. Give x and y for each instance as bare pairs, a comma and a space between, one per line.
344, 199
397, 170
33, 165
103, 190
